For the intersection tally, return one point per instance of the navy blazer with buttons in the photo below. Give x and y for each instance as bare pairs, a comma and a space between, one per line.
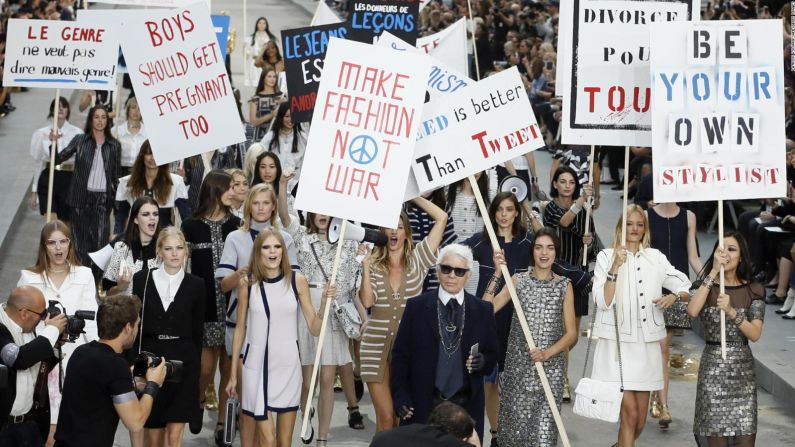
416, 350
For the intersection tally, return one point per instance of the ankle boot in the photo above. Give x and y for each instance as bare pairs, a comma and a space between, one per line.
788, 303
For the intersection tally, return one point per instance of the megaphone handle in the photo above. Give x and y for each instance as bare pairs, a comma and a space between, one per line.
321, 339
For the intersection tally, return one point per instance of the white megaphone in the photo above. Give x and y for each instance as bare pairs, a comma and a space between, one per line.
515, 185
356, 233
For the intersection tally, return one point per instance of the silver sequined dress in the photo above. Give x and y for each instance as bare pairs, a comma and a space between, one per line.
726, 393
525, 419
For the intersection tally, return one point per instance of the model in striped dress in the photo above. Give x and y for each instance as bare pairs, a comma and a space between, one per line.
390, 276
565, 213
421, 224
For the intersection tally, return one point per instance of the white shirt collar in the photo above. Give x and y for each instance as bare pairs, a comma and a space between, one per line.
445, 296
167, 285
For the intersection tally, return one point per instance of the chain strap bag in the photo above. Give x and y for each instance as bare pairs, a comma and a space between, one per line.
347, 315
595, 399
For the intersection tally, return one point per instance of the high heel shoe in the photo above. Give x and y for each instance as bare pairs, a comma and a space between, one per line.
788, 303
790, 315
566, 390
665, 417
654, 408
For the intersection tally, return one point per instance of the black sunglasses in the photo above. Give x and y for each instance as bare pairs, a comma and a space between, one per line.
446, 269
42, 315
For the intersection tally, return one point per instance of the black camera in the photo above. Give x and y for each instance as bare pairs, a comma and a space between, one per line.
146, 360
74, 323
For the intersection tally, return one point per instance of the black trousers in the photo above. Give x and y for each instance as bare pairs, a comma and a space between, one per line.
26, 434
91, 225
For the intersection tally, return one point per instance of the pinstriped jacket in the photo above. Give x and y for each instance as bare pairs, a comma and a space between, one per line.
83, 147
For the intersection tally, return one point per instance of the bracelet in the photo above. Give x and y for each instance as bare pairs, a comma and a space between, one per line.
738, 320
574, 208
534, 180
151, 388
708, 282
612, 277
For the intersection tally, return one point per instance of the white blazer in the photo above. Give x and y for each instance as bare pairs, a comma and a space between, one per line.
78, 292
642, 279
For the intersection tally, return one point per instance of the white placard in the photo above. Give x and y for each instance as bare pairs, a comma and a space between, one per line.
181, 83
565, 16
56, 54
364, 128
448, 46
324, 15
474, 129
608, 92
718, 111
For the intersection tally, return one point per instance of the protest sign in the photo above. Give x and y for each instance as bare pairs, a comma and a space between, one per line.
56, 54
449, 46
324, 15
369, 18
565, 18
221, 28
718, 111
181, 83
608, 90
474, 129
441, 81
442, 78
304, 50
363, 132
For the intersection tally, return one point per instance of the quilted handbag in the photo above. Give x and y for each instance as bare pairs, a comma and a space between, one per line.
595, 399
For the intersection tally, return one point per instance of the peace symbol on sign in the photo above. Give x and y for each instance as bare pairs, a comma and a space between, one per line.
363, 149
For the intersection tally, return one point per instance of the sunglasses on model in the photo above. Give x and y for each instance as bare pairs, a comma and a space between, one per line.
446, 269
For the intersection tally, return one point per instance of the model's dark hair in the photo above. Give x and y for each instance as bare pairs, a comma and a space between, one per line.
162, 185
278, 124
116, 312
744, 267
452, 419
213, 187
452, 191
132, 233
519, 226
267, 30
62, 102
257, 179
90, 120
565, 170
545, 232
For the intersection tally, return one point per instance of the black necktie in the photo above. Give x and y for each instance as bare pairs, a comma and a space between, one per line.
452, 309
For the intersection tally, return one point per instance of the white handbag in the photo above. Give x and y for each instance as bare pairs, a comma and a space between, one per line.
595, 399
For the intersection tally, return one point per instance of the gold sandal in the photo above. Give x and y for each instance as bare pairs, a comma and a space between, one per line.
654, 408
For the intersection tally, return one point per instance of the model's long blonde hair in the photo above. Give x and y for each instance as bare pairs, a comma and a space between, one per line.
381, 254
646, 240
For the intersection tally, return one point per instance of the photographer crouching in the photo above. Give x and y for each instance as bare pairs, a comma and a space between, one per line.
24, 408
98, 390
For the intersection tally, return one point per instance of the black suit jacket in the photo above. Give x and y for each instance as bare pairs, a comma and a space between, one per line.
38, 350
83, 147
416, 351
416, 435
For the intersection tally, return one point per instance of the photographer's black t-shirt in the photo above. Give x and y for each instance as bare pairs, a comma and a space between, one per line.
95, 377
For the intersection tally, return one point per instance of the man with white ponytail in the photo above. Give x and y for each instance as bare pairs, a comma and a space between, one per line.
446, 342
